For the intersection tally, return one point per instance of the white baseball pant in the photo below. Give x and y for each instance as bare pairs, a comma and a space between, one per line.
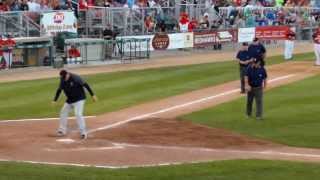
78, 112
8, 57
288, 49
317, 53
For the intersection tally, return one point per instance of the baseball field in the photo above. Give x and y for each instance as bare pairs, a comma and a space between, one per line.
181, 121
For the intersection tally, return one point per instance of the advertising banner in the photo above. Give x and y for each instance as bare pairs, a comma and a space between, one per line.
62, 21
204, 39
161, 41
272, 32
209, 38
246, 34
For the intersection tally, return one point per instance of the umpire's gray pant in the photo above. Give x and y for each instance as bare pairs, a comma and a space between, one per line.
243, 72
257, 94
78, 112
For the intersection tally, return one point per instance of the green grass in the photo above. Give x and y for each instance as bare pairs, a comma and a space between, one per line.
32, 99
291, 115
222, 170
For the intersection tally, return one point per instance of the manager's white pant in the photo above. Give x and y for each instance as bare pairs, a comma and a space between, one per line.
288, 49
78, 112
317, 53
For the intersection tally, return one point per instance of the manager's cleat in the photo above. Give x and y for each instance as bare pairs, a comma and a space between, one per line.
60, 134
84, 136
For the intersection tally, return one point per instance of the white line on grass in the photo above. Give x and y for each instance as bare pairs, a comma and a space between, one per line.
181, 106
40, 119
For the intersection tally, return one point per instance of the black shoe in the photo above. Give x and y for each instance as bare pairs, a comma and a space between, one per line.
60, 134
84, 136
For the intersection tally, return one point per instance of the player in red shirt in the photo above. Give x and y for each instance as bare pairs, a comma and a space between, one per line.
316, 40
8, 45
74, 55
3, 63
289, 44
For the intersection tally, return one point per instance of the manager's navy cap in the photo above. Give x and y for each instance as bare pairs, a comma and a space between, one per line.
63, 73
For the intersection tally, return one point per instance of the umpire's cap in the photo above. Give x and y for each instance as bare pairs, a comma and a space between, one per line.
63, 73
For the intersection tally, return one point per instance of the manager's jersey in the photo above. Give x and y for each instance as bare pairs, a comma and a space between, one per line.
73, 88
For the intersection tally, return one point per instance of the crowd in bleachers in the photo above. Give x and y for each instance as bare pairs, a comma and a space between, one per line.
215, 14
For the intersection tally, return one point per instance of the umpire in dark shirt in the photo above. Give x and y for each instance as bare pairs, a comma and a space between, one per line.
244, 60
257, 51
256, 79
73, 87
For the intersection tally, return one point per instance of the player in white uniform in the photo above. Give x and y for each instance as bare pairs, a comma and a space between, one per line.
289, 45
316, 40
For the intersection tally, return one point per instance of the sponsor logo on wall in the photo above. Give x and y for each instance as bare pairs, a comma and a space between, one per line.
160, 41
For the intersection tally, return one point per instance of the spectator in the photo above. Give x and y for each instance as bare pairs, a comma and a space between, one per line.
204, 23
33, 6
107, 3
83, 4
4, 6
44, 5
184, 22
14, 6
68, 5
24, 5
193, 25
149, 23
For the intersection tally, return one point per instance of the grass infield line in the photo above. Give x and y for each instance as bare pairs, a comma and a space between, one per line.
181, 106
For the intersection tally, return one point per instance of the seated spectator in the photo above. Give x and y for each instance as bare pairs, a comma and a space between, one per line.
83, 5
24, 5
14, 6
68, 5
184, 22
107, 3
193, 25
4, 6
33, 6
149, 23
204, 23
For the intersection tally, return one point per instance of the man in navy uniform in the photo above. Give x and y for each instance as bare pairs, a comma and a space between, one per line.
256, 79
257, 50
73, 87
244, 60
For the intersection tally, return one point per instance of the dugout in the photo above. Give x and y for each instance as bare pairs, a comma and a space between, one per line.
32, 51
93, 49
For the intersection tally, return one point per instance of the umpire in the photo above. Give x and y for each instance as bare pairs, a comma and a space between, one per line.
244, 59
256, 79
257, 50
73, 87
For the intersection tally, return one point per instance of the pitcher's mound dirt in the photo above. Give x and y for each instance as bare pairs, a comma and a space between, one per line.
172, 132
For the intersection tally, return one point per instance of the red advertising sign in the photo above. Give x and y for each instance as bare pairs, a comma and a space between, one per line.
203, 39
272, 32
207, 38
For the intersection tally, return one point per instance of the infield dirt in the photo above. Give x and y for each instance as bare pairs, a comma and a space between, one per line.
156, 139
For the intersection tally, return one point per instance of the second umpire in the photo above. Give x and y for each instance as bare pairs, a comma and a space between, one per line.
244, 59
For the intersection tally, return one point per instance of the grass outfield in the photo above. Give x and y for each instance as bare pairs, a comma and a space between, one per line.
222, 170
291, 115
32, 99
